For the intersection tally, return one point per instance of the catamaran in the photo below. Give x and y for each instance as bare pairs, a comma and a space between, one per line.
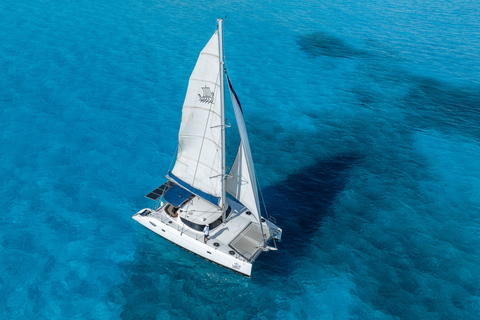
195, 193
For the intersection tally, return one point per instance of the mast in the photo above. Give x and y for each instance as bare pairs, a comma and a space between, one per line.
222, 108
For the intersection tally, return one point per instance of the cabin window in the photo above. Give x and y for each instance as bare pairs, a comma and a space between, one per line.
193, 225
218, 222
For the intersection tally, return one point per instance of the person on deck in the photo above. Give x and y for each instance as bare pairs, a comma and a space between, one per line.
206, 232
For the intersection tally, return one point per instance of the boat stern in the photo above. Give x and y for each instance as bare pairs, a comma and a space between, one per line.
278, 235
142, 213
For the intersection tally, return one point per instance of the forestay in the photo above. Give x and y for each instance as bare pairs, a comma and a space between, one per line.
241, 182
199, 157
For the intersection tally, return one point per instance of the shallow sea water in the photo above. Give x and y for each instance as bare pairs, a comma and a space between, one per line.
364, 125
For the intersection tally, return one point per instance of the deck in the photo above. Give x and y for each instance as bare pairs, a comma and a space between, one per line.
241, 232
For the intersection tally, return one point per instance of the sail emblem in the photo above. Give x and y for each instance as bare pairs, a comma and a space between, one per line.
207, 95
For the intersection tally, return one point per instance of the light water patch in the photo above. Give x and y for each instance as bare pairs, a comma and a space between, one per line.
455, 170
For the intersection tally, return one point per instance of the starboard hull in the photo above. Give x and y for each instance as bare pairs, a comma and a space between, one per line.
194, 245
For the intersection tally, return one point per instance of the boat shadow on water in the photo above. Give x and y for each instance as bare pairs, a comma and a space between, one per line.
299, 204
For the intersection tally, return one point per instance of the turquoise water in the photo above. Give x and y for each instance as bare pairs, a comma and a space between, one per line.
364, 125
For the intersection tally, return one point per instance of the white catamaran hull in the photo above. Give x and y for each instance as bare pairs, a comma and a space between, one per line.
195, 245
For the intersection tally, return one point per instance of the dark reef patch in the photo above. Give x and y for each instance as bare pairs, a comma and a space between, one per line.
321, 43
444, 107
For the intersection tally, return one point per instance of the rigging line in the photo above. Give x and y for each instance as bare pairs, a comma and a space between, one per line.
259, 190
174, 156
201, 211
263, 201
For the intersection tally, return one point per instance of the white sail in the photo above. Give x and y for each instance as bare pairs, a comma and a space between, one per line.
199, 157
241, 183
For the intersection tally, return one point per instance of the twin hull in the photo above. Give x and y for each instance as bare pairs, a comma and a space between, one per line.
197, 247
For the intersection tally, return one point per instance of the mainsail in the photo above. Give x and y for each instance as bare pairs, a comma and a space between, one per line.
241, 182
199, 156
